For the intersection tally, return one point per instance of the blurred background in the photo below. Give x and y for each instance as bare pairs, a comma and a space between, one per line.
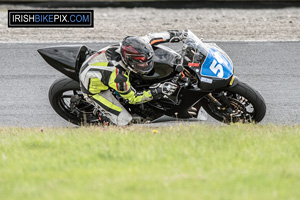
217, 20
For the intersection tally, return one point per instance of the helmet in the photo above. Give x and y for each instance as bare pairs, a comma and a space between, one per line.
137, 54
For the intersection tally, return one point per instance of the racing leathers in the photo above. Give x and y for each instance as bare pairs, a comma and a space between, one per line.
105, 70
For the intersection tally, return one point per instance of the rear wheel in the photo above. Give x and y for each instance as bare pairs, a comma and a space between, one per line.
240, 103
67, 100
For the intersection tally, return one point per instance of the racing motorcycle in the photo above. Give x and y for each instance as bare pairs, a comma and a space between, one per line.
202, 71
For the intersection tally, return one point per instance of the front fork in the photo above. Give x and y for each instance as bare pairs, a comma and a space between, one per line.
224, 103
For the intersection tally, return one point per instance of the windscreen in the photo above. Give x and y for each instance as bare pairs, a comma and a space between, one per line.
195, 51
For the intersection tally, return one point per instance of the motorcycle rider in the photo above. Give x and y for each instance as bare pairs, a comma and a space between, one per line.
110, 68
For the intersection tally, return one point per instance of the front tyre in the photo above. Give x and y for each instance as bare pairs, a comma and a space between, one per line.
240, 103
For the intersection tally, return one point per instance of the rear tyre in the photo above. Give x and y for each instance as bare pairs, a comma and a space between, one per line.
60, 94
247, 105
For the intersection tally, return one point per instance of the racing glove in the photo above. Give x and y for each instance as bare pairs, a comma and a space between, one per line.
174, 35
158, 90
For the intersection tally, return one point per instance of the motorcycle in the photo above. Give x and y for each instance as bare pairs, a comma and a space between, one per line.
203, 72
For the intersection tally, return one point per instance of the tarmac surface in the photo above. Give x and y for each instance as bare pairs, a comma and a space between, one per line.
272, 68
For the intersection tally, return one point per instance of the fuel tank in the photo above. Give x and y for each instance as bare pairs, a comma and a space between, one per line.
164, 64
66, 59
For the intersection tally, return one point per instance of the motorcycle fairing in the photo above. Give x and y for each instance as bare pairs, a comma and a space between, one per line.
166, 107
216, 65
194, 95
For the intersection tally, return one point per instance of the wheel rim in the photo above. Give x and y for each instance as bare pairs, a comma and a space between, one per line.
242, 111
83, 111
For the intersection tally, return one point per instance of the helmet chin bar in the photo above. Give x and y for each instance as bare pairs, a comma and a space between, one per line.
136, 71
133, 70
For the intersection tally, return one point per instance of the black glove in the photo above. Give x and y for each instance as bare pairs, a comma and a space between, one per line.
158, 90
174, 35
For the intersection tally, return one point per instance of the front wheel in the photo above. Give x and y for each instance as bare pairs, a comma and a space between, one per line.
239, 103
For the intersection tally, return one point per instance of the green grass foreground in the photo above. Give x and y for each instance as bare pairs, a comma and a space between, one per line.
179, 162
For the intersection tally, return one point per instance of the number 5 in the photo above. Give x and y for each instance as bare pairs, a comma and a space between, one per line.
214, 68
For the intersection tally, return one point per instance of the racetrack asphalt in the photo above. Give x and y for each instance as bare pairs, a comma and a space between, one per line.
272, 68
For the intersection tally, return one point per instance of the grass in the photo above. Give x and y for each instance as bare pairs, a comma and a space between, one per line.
179, 162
